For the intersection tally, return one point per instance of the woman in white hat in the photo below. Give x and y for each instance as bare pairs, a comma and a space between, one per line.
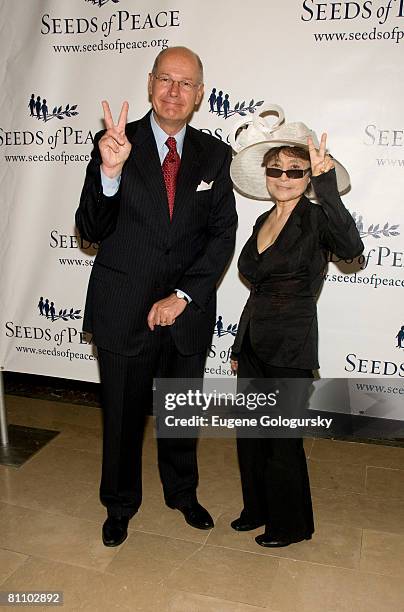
284, 262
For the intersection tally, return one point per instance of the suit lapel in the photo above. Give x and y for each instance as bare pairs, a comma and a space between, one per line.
188, 175
293, 227
290, 232
285, 243
146, 158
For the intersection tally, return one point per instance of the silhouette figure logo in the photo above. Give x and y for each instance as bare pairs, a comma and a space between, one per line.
101, 2
48, 309
219, 103
376, 231
400, 338
39, 109
220, 330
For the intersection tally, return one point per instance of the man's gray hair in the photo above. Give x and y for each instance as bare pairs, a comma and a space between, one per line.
179, 48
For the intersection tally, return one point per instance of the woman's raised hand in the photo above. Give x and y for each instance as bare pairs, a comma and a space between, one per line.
320, 161
114, 145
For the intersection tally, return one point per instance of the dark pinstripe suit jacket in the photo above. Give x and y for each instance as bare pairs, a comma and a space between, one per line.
143, 255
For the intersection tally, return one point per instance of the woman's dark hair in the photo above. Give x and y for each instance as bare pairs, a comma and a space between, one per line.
273, 154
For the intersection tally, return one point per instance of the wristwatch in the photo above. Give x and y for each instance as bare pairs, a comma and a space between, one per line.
181, 295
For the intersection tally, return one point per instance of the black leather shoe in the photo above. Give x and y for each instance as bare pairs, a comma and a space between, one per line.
196, 516
277, 542
115, 530
244, 524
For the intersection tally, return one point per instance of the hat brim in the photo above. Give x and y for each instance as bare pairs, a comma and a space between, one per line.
248, 175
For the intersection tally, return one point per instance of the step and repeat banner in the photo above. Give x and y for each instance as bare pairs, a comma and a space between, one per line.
336, 66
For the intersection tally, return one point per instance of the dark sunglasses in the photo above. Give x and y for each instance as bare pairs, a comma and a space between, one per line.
293, 173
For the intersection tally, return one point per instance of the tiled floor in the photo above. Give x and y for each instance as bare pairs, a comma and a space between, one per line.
50, 526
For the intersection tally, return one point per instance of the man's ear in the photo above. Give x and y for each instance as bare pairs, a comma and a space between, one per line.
149, 83
199, 94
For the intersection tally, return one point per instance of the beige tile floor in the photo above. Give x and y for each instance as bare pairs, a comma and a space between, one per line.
50, 526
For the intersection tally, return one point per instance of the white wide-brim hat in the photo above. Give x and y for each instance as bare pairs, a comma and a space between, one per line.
252, 139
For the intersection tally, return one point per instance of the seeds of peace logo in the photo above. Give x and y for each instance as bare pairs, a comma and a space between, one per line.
101, 2
220, 330
376, 231
39, 109
219, 103
400, 338
47, 309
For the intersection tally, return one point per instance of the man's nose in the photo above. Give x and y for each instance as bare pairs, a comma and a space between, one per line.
175, 88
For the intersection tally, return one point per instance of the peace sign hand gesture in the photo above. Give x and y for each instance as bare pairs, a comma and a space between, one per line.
320, 161
114, 145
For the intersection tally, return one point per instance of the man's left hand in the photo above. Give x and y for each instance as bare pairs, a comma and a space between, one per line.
164, 312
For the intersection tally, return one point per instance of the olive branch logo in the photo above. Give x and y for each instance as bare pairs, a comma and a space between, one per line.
221, 331
39, 109
220, 104
69, 111
376, 231
241, 109
101, 2
47, 309
72, 315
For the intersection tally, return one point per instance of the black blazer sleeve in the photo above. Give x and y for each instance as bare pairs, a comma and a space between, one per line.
337, 229
97, 214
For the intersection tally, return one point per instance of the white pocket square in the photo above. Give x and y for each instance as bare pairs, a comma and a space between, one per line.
204, 186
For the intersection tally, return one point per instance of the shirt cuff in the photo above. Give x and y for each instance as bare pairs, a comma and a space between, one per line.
189, 299
110, 186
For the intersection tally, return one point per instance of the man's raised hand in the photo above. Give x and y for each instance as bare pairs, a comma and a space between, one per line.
114, 145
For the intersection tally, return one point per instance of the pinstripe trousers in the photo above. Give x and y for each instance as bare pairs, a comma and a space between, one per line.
126, 399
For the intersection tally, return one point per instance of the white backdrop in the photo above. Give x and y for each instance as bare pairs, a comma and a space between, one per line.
335, 66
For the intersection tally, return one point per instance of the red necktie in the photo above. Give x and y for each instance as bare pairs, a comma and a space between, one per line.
170, 167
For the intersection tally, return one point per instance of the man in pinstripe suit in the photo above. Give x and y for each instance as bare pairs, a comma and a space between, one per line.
166, 233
